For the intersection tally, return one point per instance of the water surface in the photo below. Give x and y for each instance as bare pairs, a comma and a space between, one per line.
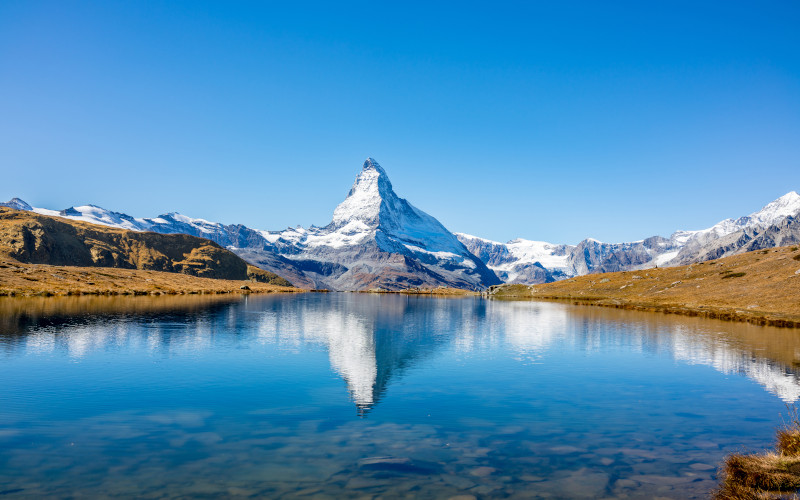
367, 396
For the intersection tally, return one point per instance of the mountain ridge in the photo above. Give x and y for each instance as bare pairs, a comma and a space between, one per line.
31, 238
377, 240
521, 261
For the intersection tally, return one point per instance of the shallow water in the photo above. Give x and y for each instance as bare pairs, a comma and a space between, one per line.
366, 396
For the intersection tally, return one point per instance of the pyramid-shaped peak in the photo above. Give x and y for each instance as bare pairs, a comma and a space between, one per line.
371, 164
372, 176
371, 190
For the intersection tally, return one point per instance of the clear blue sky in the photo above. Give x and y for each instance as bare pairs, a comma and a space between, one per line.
544, 120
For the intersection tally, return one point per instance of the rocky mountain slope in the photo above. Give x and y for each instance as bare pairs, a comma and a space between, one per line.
379, 240
376, 240
31, 238
531, 262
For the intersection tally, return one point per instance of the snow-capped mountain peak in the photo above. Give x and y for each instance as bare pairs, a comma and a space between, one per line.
371, 164
371, 190
17, 204
785, 206
773, 212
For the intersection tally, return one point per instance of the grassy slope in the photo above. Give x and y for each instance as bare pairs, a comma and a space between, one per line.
43, 279
41, 254
768, 291
37, 239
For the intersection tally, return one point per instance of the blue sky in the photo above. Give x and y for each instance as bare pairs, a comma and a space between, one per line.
544, 120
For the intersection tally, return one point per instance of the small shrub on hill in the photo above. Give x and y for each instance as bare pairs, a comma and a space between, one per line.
734, 275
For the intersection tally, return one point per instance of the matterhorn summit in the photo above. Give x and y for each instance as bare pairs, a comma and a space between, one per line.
378, 240
371, 195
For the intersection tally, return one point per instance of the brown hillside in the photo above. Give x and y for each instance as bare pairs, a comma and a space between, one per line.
261, 276
31, 238
41, 279
760, 287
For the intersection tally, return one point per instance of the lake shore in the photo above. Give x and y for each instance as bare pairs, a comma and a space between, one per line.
760, 287
438, 291
28, 280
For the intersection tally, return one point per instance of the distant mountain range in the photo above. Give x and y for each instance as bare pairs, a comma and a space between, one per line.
378, 240
526, 261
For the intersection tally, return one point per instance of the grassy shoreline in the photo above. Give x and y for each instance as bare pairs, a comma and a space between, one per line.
721, 313
769, 475
30, 280
760, 287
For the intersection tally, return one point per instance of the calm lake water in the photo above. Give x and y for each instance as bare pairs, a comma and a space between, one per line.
366, 396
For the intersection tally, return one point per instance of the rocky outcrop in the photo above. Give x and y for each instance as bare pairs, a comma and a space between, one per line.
36, 239
261, 276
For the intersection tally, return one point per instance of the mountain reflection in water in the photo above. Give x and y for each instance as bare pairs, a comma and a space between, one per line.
374, 339
348, 395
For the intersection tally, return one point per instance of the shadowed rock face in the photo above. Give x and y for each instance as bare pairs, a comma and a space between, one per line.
785, 233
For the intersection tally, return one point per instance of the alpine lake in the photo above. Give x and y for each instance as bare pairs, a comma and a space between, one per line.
348, 395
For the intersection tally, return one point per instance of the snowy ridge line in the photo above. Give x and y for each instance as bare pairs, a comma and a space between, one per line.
375, 240
530, 262
379, 240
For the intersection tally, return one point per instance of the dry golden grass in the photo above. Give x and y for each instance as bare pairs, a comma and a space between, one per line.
733, 491
761, 287
38, 239
42, 255
770, 475
41, 279
789, 441
766, 471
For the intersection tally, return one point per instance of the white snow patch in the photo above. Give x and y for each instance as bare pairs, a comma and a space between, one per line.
662, 259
